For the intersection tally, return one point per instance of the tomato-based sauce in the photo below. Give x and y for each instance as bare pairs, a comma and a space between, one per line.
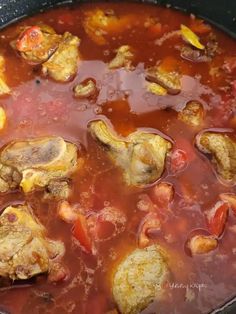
39, 106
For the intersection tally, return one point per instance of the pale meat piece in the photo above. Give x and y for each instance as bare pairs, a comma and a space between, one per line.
62, 65
43, 51
222, 150
168, 80
123, 58
25, 251
36, 163
141, 155
140, 278
202, 244
192, 114
4, 89
85, 89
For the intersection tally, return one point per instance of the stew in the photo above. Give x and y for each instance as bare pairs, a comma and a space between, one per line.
117, 162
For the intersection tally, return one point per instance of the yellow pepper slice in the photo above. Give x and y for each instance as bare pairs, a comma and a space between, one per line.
3, 118
190, 37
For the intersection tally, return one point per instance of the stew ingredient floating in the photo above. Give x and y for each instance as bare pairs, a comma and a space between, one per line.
117, 162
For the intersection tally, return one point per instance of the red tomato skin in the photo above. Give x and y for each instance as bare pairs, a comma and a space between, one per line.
80, 232
29, 39
216, 222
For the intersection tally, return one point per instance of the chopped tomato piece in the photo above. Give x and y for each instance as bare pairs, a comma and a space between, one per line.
179, 160
80, 232
216, 218
155, 30
107, 223
199, 26
230, 199
29, 39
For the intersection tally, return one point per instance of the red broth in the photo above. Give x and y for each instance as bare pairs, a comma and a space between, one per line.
38, 106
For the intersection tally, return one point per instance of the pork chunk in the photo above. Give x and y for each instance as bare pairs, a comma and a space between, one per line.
25, 251
139, 279
141, 155
168, 80
40, 52
62, 65
192, 114
36, 163
123, 58
4, 89
202, 244
86, 89
222, 150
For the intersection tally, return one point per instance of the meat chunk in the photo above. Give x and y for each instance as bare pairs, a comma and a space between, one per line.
3, 118
58, 54
201, 244
168, 80
222, 150
156, 89
195, 55
98, 24
57, 190
123, 58
36, 163
141, 155
192, 114
37, 52
62, 65
86, 89
139, 279
4, 89
25, 251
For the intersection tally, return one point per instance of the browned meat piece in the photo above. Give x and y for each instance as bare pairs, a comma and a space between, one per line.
36, 163
222, 149
62, 65
123, 58
195, 55
86, 89
141, 156
156, 89
25, 251
140, 278
192, 114
41, 52
170, 81
201, 244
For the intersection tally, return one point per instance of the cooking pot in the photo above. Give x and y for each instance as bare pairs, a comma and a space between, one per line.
221, 13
